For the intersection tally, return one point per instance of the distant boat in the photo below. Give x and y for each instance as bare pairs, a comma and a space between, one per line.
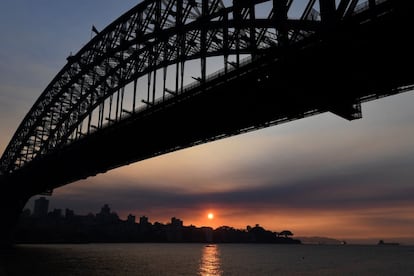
381, 242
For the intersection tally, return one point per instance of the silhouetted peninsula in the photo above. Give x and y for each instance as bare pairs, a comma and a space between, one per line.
106, 226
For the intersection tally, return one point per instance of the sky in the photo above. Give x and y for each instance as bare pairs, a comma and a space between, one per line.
318, 176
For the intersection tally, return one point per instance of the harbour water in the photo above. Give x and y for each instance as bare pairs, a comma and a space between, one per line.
206, 259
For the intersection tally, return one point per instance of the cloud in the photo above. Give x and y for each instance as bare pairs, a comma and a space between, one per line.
356, 190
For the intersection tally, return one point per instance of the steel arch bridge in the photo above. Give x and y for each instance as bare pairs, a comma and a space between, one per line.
125, 95
159, 35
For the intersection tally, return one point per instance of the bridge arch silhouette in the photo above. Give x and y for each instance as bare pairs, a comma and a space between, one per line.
123, 97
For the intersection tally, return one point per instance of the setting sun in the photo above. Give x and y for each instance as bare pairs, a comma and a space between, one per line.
210, 216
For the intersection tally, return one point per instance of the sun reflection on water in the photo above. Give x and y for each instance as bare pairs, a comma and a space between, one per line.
210, 261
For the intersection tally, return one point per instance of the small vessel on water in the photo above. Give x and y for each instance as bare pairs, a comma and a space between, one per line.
381, 242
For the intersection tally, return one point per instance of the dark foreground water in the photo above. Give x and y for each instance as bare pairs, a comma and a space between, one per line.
201, 259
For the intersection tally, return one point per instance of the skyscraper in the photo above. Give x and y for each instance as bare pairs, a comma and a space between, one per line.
41, 206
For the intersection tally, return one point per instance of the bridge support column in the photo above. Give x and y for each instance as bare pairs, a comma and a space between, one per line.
11, 206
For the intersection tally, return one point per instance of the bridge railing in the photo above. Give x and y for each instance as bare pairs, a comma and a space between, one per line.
186, 89
218, 74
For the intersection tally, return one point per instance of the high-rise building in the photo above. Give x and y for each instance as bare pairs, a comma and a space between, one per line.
105, 210
143, 220
105, 216
69, 213
176, 222
41, 206
131, 219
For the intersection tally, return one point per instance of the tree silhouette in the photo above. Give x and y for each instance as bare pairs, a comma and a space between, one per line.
285, 233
